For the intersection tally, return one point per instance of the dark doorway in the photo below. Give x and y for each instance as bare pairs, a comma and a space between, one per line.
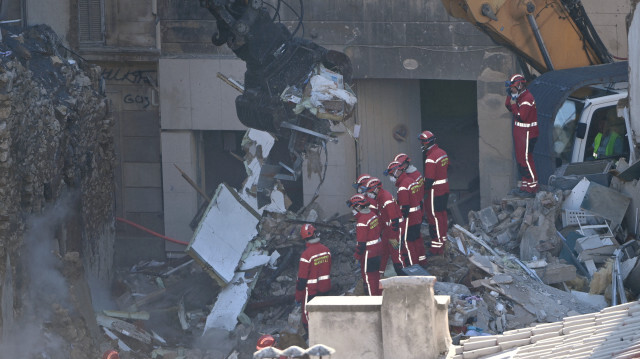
223, 159
449, 110
223, 162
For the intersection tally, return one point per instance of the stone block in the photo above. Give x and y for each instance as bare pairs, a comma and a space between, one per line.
488, 218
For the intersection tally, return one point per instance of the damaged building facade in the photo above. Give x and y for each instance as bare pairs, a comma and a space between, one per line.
414, 68
173, 119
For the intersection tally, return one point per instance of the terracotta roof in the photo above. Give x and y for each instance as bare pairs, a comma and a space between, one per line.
613, 332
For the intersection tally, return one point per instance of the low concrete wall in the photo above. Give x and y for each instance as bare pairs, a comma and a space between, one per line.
407, 322
350, 325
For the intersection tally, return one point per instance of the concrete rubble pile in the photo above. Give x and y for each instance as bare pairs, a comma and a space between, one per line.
536, 260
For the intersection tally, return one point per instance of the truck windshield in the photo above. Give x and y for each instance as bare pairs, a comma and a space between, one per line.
564, 128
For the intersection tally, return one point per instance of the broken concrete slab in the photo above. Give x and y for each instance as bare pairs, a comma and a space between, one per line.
124, 328
596, 300
488, 218
222, 236
606, 203
592, 242
556, 273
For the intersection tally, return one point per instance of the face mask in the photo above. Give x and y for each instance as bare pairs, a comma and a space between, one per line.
392, 179
514, 96
371, 195
354, 212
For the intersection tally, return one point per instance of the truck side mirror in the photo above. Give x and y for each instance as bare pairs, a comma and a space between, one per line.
581, 130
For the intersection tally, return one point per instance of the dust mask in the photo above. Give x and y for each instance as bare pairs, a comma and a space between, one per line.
392, 179
354, 212
371, 195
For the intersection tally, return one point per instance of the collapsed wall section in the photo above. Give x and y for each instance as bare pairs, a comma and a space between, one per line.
55, 146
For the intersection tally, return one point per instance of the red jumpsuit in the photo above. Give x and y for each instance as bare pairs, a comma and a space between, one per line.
368, 250
525, 134
390, 216
314, 271
437, 187
409, 200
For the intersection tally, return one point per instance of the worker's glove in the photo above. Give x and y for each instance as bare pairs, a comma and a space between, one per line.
394, 244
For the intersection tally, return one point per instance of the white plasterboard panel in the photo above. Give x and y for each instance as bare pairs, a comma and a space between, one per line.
229, 305
223, 233
254, 259
574, 200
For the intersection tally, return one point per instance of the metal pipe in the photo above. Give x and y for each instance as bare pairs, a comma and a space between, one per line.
540, 41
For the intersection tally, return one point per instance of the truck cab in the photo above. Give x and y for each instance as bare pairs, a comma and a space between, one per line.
587, 127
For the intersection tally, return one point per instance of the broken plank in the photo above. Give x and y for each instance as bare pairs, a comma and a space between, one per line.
124, 328
127, 315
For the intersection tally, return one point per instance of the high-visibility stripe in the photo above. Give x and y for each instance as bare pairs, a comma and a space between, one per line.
433, 212
366, 276
319, 255
403, 188
361, 225
443, 181
528, 103
526, 158
314, 281
375, 241
305, 260
522, 124
387, 203
414, 209
422, 258
436, 160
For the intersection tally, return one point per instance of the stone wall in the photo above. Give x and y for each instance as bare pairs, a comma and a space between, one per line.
55, 146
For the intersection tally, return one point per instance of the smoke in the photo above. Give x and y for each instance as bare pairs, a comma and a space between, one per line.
42, 286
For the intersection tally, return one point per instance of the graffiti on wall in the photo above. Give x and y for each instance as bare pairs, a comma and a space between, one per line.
135, 77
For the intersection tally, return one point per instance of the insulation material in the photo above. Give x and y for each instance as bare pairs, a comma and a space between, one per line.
221, 238
257, 145
229, 305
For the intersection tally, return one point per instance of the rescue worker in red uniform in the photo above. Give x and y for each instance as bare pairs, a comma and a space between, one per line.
368, 243
314, 271
390, 219
411, 170
361, 187
409, 191
436, 186
522, 105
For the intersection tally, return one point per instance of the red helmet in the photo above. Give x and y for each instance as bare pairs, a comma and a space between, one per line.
516, 80
265, 341
360, 182
392, 167
357, 200
372, 184
307, 231
110, 354
402, 158
428, 139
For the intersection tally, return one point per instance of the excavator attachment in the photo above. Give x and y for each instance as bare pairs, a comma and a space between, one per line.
547, 34
292, 87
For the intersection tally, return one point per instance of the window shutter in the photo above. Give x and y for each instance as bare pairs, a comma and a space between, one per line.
90, 21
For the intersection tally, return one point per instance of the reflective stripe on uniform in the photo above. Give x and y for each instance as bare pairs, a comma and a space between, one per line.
522, 124
387, 203
414, 209
375, 241
442, 181
527, 103
322, 277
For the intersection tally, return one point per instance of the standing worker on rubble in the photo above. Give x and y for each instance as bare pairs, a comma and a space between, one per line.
361, 187
314, 271
522, 105
368, 243
413, 172
390, 219
409, 200
436, 186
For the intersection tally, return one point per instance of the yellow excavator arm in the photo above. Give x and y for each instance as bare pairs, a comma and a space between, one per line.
547, 34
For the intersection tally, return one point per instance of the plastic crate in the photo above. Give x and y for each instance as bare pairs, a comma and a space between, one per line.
572, 217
